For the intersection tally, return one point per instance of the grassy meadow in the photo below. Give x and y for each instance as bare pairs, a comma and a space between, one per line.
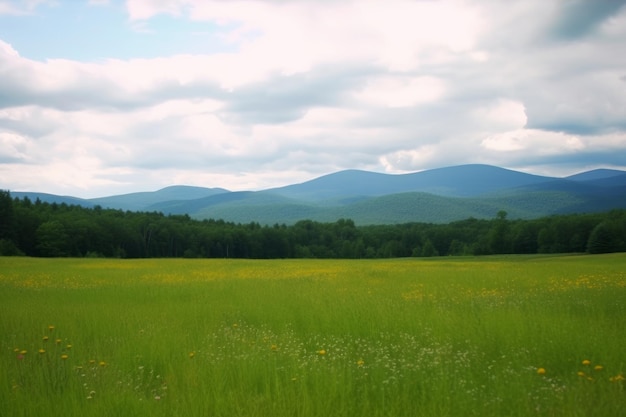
492, 336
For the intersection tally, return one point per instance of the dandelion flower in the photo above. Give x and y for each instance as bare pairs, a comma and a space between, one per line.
51, 327
45, 338
321, 352
23, 352
360, 362
192, 354
598, 367
274, 347
64, 357
68, 346
58, 341
92, 361
102, 363
541, 371
616, 378
580, 373
586, 362
42, 351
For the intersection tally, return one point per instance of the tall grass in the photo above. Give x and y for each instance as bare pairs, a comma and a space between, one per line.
509, 336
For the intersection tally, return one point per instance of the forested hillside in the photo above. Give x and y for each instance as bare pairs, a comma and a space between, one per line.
440, 195
50, 230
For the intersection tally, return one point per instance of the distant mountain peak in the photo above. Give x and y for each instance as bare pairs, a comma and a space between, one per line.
434, 195
596, 174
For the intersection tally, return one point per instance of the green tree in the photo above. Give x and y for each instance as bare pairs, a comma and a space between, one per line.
498, 242
7, 219
457, 248
525, 238
8, 248
604, 239
429, 249
52, 240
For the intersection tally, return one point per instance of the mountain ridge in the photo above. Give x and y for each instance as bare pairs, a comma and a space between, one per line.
437, 195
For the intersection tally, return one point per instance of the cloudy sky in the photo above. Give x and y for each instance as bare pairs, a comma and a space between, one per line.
107, 97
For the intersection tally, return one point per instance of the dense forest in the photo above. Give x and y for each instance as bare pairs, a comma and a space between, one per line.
55, 230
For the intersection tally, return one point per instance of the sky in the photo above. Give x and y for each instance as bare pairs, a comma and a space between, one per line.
106, 97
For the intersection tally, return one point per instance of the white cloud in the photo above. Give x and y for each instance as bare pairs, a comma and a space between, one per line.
21, 7
502, 114
409, 160
13, 147
534, 142
393, 91
7, 51
145, 9
294, 36
305, 87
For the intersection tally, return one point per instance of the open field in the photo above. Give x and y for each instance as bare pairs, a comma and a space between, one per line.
493, 336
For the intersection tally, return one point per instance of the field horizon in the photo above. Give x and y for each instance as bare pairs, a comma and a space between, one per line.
473, 336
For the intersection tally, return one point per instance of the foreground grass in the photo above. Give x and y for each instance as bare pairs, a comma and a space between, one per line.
512, 336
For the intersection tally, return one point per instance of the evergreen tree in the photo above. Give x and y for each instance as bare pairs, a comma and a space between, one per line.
7, 218
603, 239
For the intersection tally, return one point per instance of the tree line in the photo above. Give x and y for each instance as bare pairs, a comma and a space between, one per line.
60, 230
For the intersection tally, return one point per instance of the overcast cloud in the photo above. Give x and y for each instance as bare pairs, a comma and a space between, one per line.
106, 97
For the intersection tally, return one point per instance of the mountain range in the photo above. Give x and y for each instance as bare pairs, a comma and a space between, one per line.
436, 196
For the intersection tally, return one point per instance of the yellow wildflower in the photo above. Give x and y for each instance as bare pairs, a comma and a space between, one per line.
586, 362
321, 352
64, 357
541, 371
580, 373
598, 367
360, 362
192, 354
45, 338
42, 351
68, 346
102, 363
51, 327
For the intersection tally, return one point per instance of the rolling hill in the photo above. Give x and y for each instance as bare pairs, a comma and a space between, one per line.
436, 196
457, 181
144, 200
52, 198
